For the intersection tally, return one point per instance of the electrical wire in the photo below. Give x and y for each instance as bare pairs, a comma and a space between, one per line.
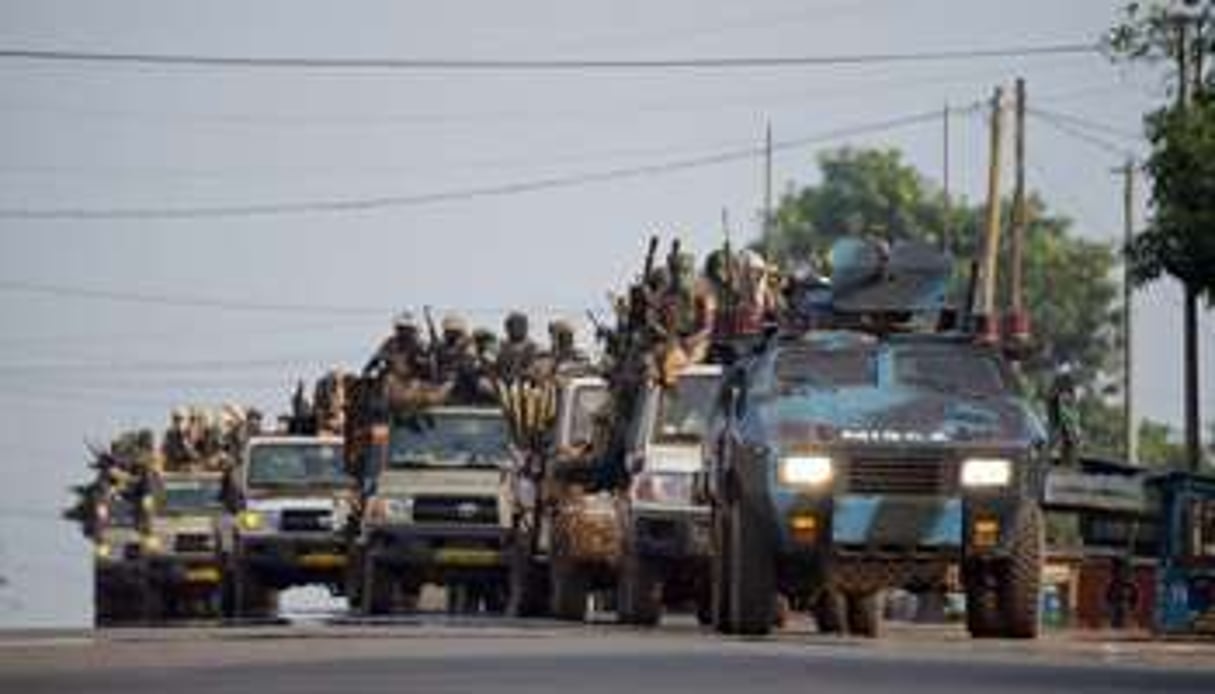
559, 65
1084, 136
456, 195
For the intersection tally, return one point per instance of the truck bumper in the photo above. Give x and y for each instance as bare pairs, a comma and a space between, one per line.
896, 525
202, 572
294, 558
442, 548
674, 534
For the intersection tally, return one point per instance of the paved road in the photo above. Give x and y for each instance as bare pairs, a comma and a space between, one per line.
510, 658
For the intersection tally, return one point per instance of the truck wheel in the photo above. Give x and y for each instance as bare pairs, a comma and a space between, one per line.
982, 605
829, 611
719, 575
752, 572
864, 614
1021, 578
569, 590
638, 591
378, 588
527, 584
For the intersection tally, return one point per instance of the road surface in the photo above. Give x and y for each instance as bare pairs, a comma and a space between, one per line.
437, 656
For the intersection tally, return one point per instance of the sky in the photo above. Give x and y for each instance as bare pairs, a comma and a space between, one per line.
236, 308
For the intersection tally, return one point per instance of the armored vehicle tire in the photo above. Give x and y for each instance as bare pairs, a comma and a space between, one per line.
864, 613
829, 611
568, 583
751, 571
1020, 578
638, 591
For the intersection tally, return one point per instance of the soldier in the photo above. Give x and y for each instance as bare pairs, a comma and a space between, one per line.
562, 349
757, 300
402, 356
518, 353
455, 349
485, 346
178, 446
684, 315
1063, 417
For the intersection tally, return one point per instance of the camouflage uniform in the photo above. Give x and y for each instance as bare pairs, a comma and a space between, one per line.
455, 350
178, 446
684, 318
1063, 418
517, 354
402, 356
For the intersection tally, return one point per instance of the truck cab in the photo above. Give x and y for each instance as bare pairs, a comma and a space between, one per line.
180, 548
666, 524
294, 495
434, 510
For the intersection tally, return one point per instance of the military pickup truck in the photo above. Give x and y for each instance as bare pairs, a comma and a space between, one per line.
180, 550
843, 463
117, 586
294, 495
665, 553
434, 510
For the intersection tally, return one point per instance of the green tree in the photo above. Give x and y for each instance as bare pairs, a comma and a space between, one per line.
1070, 290
1158, 446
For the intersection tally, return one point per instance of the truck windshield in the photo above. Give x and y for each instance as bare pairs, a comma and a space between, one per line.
684, 409
296, 465
121, 513
586, 403
826, 367
958, 370
447, 439
192, 496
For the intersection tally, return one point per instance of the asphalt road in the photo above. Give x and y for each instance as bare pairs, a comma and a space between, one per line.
507, 658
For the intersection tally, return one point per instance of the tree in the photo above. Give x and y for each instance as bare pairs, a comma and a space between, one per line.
1070, 291
1158, 446
1179, 241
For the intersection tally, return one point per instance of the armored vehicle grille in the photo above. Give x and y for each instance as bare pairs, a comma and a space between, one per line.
192, 542
298, 520
455, 509
920, 477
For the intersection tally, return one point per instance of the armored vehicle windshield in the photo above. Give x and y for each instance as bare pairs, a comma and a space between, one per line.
685, 408
277, 465
463, 439
587, 402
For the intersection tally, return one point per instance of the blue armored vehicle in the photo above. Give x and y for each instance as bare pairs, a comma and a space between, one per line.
877, 448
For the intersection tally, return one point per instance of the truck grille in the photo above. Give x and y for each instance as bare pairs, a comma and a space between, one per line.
192, 542
305, 521
916, 477
481, 510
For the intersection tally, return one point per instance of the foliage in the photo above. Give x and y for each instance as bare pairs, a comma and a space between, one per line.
1159, 447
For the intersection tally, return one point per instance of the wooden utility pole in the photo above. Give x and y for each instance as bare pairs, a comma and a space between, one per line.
767, 231
991, 243
948, 203
1131, 433
1020, 221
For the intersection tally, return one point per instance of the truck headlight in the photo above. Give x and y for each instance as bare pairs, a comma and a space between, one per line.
663, 487
986, 472
805, 470
152, 544
383, 509
251, 520
103, 550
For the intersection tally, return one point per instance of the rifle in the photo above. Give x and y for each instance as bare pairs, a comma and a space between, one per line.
433, 336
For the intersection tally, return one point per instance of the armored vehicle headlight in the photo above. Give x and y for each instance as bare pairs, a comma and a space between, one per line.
986, 472
806, 470
251, 520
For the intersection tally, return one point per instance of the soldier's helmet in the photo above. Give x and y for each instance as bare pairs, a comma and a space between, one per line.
405, 321
516, 326
715, 266
560, 327
752, 261
178, 415
454, 325
484, 337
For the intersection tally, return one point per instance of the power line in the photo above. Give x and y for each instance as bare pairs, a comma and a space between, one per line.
1074, 132
547, 65
1090, 124
456, 195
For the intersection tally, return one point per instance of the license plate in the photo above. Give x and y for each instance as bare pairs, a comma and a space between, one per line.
206, 574
322, 561
463, 556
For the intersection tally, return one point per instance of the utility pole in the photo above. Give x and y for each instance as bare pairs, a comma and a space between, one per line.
991, 243
1018, 323
1193, 441
767, 230
1131, 433
948, 203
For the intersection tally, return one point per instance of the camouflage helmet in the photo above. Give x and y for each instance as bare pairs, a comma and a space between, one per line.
454, 324
405, 321
752, 260
560, 327
178, 414
515, 322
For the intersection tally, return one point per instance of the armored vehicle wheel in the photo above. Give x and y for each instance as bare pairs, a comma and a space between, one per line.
864, 614
752, 572
829, 611
638, 591
1020, 578
569, 589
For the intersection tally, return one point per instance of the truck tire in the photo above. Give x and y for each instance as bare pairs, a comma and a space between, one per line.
829, 611
528, 585
1020, 581
752, 572
638, 591
378, 588
865, 614
982, 605
569, 590
719, 575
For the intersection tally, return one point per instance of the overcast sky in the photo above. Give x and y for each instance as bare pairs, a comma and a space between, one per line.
74, 368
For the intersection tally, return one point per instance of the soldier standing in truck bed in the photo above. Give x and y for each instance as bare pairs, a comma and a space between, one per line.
454, 349
517, 354
178, 446
402, 355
